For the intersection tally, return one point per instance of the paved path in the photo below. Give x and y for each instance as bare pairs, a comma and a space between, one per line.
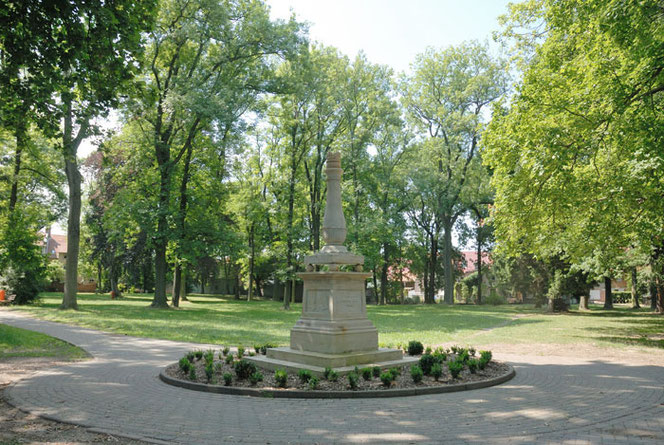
549, 401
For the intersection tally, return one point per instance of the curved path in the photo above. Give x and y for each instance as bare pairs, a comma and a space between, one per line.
549, 401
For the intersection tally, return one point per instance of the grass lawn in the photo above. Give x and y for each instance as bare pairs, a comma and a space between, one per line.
225, 321
16, 342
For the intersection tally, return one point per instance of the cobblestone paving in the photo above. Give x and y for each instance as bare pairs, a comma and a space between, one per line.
551, 400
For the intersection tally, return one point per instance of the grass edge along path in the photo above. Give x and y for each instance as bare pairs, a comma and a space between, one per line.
17, 342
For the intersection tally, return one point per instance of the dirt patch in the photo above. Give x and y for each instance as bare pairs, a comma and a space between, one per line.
22, 428
402, 379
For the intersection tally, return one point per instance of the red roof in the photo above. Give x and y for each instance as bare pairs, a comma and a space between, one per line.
55, 245
470, 260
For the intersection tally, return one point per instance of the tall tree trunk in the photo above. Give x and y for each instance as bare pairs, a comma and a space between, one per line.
252, 244
430, 295
181, 218
383, 274
653, 295
70, 147
99, 286
21, 141
374, 278
447, 264
161, 238
177, 280
479, 266
659, 280
635, 295
289, 227
608, 297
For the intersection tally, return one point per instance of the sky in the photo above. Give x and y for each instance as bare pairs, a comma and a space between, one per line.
393, 32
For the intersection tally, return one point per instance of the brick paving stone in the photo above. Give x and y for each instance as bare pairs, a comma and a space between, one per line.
556, 400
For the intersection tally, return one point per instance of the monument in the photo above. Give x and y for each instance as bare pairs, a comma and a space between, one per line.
334, 330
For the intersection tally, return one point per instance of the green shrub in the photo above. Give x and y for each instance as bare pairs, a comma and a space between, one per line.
255, 377
366, 373
257, 349
305, 375
495, 299
472, 351
428, 350
184, 364
228, 378
333, 376
426, 362
229, 359
191, 356
455, 368
208, 357
209, 371
376, 371
416, 373
23, 268
439, 356
463, 356
486, 355
313, 382
456, 349
281, 378
199, 354
326, 373
437, 371
396, 372
473, 364
226, 350
192, 373
244, 368
415, 347
240, 351
387, 378
218, 367
353, 379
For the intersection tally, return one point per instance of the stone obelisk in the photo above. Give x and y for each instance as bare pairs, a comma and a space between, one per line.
334, 330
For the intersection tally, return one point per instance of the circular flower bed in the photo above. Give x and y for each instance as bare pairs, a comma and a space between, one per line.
438, 371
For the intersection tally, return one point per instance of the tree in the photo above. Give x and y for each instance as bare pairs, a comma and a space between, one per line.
445, 98
577, 171
201, 57
82, 54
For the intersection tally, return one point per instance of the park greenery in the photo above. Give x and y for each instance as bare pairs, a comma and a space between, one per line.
548, 157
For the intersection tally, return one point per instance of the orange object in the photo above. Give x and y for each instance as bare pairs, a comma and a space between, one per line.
2, 295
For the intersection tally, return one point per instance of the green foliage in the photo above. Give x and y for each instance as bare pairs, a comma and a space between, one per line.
436, 371
240, 352
192, 373
376, 371
281, 377
184, 364
455, 368
244, 368
208, 356
387, 378
226, 350
366, 373
333, 376
326, 373
16, 342
228, 378
426, 362
229, 358
353, 380
209, 372
416, 373
486, 355
313, 382
415, 347
473, 364
191, 356
255, 377
198, 354
304, 375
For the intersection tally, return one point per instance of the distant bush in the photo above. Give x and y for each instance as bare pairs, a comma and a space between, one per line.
426, 362
455, 368
376, 371
437, 371
473, 364
255, 377
415, 347
228, 378
353, 379
305, 375
387, 378
244, 368
184, 364
495, 299
313, 382
416, 373
281, 378
366, 373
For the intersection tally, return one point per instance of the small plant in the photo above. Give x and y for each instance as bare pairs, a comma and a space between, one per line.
473, 364
333, 376
208, 356
486, 355
366, 373
376, 371
353, 379
396, 372
229, 359
209, 372
192, 373
221, 355
255, 377
257, 349
472, 351
198, 354
455, 368
281, 378
416, 373
313, 382
226, 350
415, 347
252, 354
304, 375
244, 368
428, 350
184, 364
228, 378
387, 378
463, 356
439, 356
191, 356
326, 373
455, 349
426, 362
267, 346
437, 371
240, 351
218, 367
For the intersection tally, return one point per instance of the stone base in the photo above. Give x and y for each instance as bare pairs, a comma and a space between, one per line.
292, 360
